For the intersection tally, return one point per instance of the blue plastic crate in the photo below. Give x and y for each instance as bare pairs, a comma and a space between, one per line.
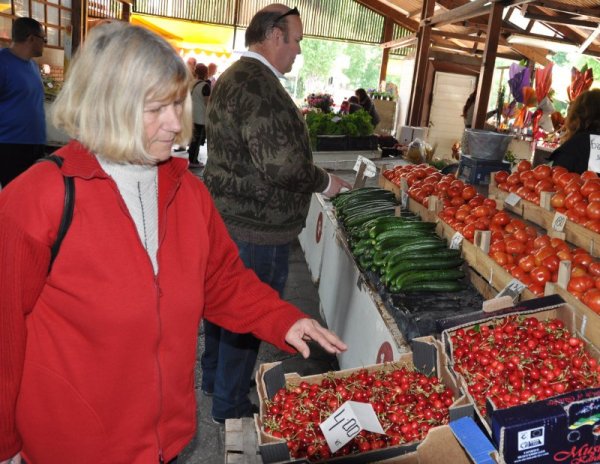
477, 171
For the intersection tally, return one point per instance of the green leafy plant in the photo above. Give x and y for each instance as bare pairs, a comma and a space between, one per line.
354, 125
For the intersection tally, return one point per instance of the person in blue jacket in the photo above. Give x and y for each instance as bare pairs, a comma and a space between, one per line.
22, 119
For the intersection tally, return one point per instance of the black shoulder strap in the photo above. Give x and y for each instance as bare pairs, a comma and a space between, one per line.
69, 205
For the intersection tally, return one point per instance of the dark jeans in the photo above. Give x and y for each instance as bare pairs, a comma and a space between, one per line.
16, 158
228, 359
198, 138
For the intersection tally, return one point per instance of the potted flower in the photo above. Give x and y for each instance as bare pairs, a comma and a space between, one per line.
321, 101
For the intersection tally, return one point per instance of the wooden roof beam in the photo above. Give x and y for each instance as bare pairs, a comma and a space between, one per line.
468, 11
562, 19
389, 12
569, 8
399, 43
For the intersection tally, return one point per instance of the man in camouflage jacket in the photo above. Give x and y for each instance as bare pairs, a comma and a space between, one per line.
261, 175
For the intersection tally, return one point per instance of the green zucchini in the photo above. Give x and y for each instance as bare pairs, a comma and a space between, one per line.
433, 275
442, 286
421, 265
393, 258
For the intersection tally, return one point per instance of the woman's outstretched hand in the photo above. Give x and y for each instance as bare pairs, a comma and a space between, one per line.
309, 329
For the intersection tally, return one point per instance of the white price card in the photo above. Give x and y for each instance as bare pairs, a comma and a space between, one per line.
370, 168
513, 289
456, 241
347, 421
559, 221
404, 199
512, 199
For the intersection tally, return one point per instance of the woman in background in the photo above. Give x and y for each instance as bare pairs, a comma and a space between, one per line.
368, 105
580, 145
97, 355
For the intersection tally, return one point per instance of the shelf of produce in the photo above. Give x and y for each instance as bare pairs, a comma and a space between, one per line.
350, 307
574, 233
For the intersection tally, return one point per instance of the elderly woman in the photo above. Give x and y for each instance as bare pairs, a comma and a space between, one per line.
97, 355
580, 145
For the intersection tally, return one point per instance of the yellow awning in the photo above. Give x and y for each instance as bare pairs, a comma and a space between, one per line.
188, 35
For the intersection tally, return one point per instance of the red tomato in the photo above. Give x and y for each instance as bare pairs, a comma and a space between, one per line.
592, 299
551, 262
558, 200
594, 196
580, 284
584, 259
500, 177
594, 268
523, 166
587, 175
593, 210
542, 253
490, 203
500, 257
543, 171
542, 241
590, 186
527, 263
581, 208
540, 275
501, 218
513, 179
544, 185
515, 247
572, 198
557, 171
469, 192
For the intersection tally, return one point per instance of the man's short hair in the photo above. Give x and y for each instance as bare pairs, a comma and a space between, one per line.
24, 27
263, 22
105, 110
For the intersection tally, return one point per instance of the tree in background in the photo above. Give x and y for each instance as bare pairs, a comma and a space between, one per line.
365, 62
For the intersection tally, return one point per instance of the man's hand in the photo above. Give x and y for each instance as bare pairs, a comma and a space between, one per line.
335, 185
309, 329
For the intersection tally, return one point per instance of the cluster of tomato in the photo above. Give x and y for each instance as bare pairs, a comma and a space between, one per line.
533, 259
576, 196
407, 404
416, 176
516, 360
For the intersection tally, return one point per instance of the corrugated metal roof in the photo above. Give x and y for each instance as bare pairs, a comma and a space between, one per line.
334, 19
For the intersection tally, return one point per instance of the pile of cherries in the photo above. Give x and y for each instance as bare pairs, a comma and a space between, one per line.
407, 404
516, 360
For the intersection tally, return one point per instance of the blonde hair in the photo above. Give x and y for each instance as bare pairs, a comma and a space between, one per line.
118, 69
583, 115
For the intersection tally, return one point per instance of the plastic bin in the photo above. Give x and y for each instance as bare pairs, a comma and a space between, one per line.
477, 171
486, 145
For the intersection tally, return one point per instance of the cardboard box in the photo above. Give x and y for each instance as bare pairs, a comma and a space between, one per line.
425, 358
407, 134
542, 431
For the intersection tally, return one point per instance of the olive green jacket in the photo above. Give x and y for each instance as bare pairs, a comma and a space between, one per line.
260, 170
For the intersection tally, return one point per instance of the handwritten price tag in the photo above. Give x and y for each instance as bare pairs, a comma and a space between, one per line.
404, 199
347, 421
456, 241
514, 288
559, 221
370, 168
512, 199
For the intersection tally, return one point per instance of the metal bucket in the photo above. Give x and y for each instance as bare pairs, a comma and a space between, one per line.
486, 145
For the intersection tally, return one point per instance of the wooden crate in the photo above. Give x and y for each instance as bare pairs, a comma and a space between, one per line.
573, 233
241, 444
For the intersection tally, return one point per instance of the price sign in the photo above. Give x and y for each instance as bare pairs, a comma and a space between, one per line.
370, 168
456, 241
559, 221
347, 421
514, 288
512, 199
404, 199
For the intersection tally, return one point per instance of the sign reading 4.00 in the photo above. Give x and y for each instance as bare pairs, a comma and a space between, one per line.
347, 421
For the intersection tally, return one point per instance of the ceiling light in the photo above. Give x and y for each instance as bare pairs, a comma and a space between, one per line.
548, 43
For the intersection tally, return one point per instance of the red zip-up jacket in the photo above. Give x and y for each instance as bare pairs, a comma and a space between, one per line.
97, 358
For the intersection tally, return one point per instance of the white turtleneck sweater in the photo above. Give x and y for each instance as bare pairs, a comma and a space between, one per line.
138, 185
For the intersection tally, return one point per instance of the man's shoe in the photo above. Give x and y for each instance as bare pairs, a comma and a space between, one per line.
253, 410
